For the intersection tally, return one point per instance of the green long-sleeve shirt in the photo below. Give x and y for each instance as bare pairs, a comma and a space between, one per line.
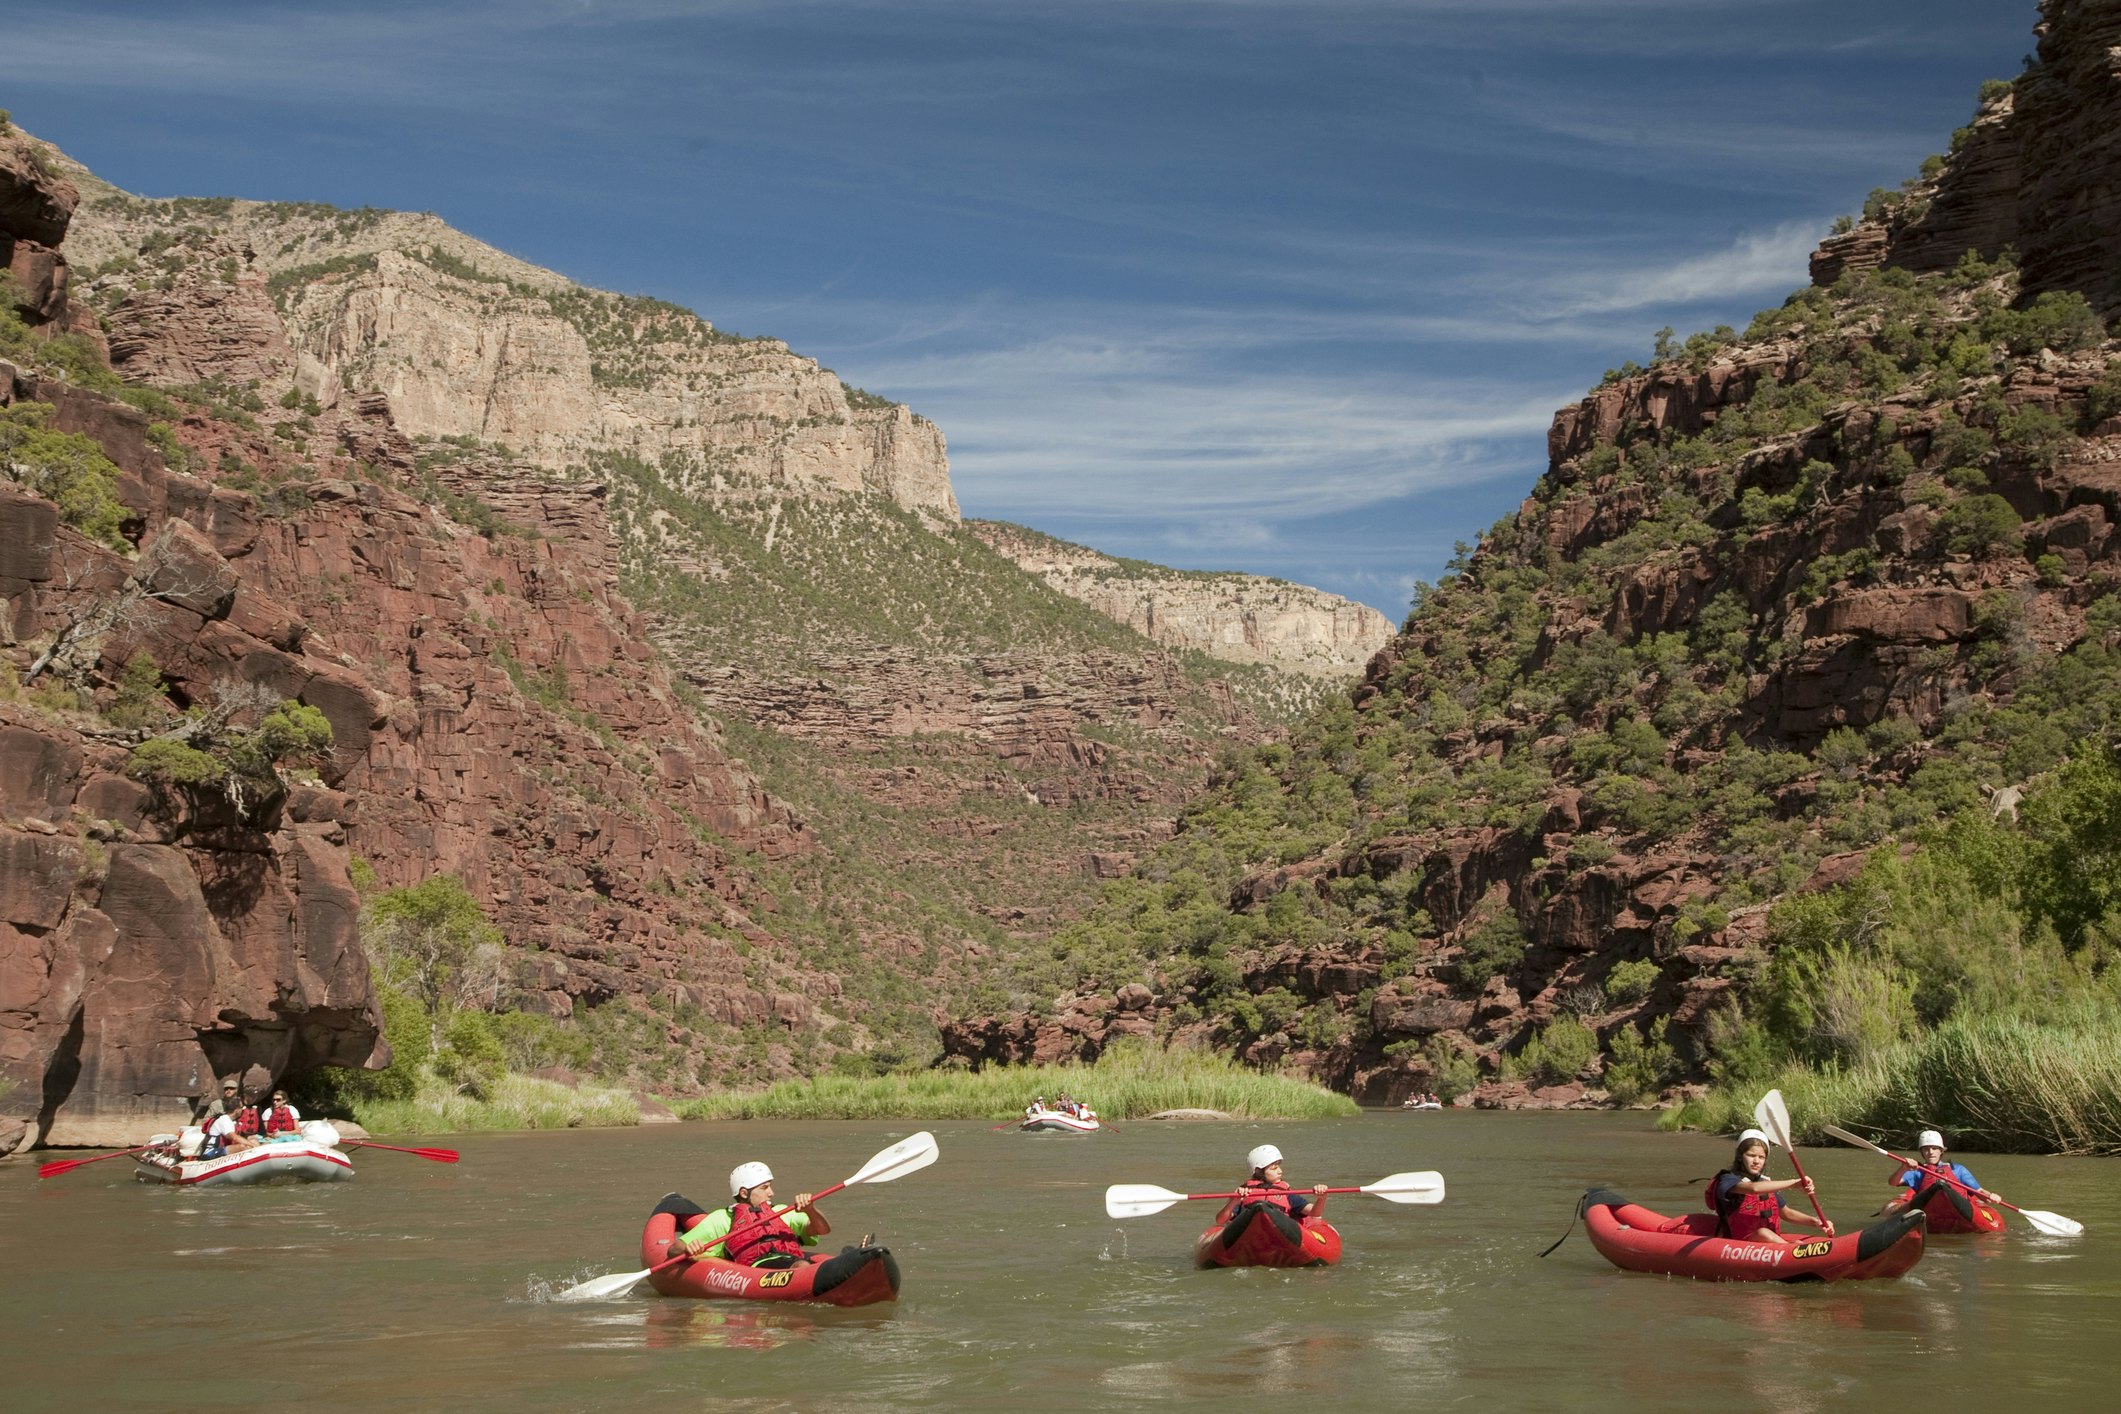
705, 1239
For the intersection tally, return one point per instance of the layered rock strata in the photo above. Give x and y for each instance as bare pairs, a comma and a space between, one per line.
1239, 618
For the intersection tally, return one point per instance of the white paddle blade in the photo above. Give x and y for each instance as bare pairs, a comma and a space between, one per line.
915, 1151
1138, 1200
602, 1288
2053, 1224
1424, 1187
1773, 1115
1858, 1140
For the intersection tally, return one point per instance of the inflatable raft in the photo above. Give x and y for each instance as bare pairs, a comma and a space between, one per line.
1054, 1122
1636, 1239
1952, 1212
1261, 1236
309, 1157
857, 1276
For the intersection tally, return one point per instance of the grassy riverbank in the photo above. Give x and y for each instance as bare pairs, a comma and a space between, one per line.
1124, 1084
2001, 1084
512, 1102
1972, 986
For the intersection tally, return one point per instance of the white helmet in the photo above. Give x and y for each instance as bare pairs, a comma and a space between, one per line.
749, 1175
1262, 1156
1760, 1134
1929, 1139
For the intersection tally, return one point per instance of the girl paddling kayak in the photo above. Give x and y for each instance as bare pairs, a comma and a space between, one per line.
1748, 1204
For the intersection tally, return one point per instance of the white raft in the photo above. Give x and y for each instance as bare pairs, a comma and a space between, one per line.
1054, 1122
310, 1157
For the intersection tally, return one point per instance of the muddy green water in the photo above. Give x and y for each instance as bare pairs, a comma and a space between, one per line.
419, 1286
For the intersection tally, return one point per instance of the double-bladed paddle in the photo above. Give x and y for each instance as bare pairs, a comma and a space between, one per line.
1138, 1200
2053, 1224
914, 1152
1772, 1115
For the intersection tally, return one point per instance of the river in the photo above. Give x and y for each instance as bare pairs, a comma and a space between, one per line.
422, 1286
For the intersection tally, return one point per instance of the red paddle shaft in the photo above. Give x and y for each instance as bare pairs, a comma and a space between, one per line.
1293, 1193
59, 1166
1798, 1165
440, 1156
753, 1227
1952, 1179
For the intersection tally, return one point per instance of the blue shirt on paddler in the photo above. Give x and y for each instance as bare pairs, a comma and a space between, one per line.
1916, 1178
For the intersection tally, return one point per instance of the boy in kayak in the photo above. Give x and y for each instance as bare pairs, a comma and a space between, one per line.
763, 1238
1748, 1204
1265, 1188
1933, 1171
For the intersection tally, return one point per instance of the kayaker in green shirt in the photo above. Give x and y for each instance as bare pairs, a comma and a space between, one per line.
764, 1238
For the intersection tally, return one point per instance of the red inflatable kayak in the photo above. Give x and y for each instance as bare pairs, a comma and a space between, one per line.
1261, 1236
857, 1276
1951, 1211
1637, 1240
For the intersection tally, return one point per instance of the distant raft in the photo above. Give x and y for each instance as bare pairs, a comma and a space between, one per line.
1260, 1235
1636, 1239
1055, 1122
855, 1276
311, 1156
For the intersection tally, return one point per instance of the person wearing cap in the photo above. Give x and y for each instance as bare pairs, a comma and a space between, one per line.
1266, 1187
1929, 1148
230, 1123
1748, 1204
763, 1236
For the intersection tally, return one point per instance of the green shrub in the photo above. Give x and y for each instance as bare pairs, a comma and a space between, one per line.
141, 700
1494, 946
63, 467
2033, 436
1629, 982
1559, 1053
1983, 526
1639, 1064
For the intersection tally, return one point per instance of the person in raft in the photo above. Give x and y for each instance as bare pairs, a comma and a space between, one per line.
280, 1117
764, 1238
1929, 1148
1266, 1188
1748, 1205
230, 1123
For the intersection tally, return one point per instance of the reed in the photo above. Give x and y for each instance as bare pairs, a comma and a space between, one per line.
516, 1102
1125, 1083
2004, 1084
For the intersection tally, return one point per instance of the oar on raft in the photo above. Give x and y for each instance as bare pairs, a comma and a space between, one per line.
1138, 1200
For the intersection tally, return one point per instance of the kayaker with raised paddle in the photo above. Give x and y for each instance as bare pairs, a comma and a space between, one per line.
1934, 1172
763, 1237
1748, 1204
1266, 1188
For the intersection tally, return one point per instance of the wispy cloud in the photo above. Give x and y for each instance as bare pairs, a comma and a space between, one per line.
1757, 262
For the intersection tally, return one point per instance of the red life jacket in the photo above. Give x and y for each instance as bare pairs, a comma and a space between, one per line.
768, 1235
246, 1120
280, 1120
1742, 1214
1274, 1195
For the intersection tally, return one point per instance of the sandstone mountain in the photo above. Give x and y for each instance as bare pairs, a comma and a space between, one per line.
1240, 618
469, 512
1779, 597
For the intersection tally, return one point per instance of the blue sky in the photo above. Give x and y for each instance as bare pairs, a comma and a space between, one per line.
1291, 288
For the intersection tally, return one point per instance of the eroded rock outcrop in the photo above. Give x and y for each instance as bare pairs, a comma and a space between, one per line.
1239, 618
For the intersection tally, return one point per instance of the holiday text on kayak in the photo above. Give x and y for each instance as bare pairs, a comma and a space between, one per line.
1753, 1252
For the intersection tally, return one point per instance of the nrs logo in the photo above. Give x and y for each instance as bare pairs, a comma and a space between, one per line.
1818, 1247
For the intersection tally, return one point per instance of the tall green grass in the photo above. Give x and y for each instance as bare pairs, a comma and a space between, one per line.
1123, 1084
517, 1102
1999, 1083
